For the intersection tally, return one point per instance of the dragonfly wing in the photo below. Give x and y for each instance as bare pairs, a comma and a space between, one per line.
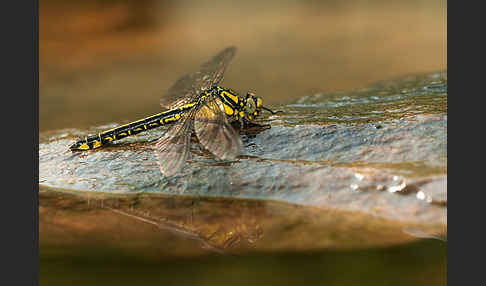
180, 93
172, 149
211, 72
214, 132
187, 88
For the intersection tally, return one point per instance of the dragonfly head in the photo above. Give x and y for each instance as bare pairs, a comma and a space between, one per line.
254, 105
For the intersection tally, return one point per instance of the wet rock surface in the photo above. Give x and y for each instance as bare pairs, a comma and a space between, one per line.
380, 152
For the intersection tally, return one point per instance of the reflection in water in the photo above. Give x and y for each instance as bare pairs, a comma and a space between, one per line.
228, 225
145, 237
221, 225
421, 233
215, 224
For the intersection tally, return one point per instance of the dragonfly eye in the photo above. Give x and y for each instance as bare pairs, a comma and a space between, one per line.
250, 106
250, 94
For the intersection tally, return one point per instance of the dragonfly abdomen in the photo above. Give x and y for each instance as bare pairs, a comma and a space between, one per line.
108, 136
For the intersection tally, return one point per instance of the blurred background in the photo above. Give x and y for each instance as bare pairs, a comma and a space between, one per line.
110, 61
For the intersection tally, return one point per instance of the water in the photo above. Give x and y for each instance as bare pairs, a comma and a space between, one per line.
303, 185
348, 186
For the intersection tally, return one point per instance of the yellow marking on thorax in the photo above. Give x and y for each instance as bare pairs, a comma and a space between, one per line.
235, 98
228, 109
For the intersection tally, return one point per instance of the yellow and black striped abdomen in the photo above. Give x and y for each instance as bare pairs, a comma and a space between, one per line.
108, 136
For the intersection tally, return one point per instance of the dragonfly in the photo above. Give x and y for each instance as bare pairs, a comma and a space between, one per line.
195, 103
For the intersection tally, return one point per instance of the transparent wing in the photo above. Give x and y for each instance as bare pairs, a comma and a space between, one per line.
172, 149
182, 92
212, 72
187, 88
214, 132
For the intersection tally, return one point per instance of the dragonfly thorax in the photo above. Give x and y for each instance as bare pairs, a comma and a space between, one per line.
236, 107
